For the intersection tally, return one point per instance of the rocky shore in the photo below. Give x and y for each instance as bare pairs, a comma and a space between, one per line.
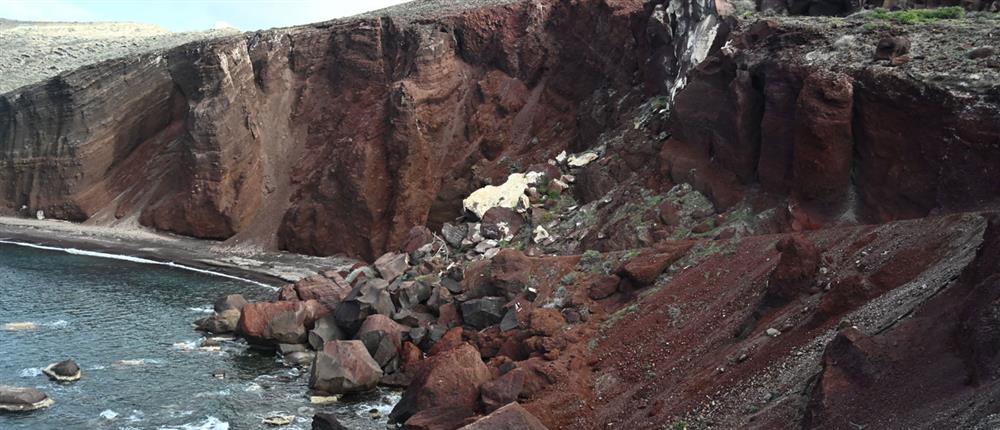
573, 215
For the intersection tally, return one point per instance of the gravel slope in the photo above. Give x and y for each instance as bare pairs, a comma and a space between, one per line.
33, 51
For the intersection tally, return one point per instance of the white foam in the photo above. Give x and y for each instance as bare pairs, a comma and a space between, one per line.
141, 260
207, 309
30, 372
209, 423
109, 415
56, 324
136, 416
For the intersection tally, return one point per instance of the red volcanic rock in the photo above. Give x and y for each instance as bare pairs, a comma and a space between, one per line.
385, 325
410, 356
546, 321
511, 416
417, 237
330, 289
271, 323
392, 265
449, 379
648, 265
343, 367
603, 287
795, 272
504, 274
439, 418
503, 390
509, 271
823, 140
497, 216
452, 339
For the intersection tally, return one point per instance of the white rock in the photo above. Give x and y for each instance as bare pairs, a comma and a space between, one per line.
540, 234
40, 215
581, 159
508, 195
773, 332
279, 419
561, 158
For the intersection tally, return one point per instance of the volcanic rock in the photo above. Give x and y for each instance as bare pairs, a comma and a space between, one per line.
344, 366
511, 416
325, 421
503, 390
509, 195
271, 323
63, 371
892, 47
449, 379
230, 302
325, 330
484, 312
17, 399
391, 265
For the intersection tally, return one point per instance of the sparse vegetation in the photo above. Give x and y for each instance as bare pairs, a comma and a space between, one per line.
918, 16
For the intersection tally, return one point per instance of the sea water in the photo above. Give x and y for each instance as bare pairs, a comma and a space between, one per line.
128, 326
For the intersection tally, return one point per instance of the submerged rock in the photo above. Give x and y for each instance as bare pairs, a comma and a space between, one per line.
18, 399
63, 371
324, 421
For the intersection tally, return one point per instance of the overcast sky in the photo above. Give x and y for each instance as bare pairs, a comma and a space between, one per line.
184, 15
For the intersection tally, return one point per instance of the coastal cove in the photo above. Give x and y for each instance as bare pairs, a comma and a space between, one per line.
128, 326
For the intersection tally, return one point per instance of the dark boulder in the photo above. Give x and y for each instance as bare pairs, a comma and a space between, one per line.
343, 367
17, 399
63, 371
484, 312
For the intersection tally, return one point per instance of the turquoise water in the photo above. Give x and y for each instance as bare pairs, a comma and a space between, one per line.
128, 327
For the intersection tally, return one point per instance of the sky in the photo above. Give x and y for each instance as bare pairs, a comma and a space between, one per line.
187, 15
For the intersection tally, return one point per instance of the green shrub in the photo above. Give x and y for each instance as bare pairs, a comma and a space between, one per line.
919, 16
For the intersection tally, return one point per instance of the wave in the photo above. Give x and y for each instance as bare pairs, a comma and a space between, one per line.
132, 259
209, 423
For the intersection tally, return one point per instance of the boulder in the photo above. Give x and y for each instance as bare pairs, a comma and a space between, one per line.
63, 371
795, 272
344, 366
501, 223
509, 195
18, 399
325, 421
374, 295
440, 418
271, 323
325, 330
383, 338
647, 266
416, 238
349, 316
890, 47
392, 265
230, 302
546, 321
511, 416
454, 234
329, 289
448, 340
604, 287
220, 323
484, 312
503, 390
449, 379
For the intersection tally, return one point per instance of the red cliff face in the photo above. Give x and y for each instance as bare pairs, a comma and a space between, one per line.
331, 138
776, 228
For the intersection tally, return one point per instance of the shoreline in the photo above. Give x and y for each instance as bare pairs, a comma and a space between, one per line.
266, 267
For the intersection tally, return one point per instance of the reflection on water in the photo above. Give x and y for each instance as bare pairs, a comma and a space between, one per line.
128, 327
